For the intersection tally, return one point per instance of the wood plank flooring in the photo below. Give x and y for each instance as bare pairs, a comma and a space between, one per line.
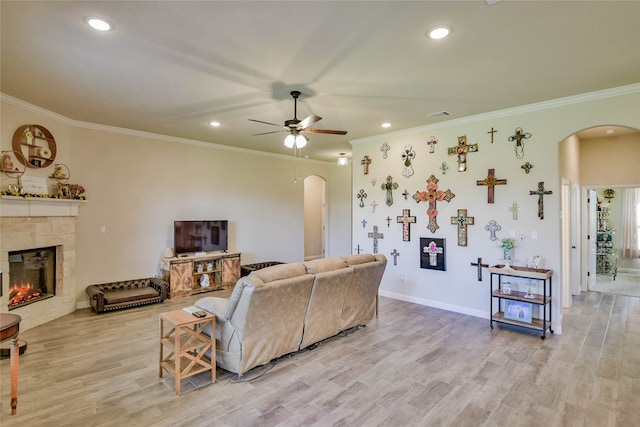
412, 366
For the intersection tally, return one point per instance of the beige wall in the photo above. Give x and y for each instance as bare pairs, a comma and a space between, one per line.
612, 161
569, 158
138, 184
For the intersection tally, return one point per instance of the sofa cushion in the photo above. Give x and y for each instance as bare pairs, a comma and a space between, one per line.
131, 294
324, 264
358, 259
279, 272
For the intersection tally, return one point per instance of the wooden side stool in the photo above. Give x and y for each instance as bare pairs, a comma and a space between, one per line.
187, 344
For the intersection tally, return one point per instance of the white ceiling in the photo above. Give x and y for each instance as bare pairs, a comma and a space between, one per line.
171, 67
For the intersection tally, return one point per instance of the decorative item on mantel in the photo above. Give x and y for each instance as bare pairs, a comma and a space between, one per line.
507, 244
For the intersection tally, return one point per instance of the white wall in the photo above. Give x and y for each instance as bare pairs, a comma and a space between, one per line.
457, 288
137, 184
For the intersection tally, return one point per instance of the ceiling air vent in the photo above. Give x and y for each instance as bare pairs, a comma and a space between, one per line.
439, 114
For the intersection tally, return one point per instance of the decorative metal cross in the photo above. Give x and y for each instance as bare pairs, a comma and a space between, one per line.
444, 168
514, 209
462, 221
385, 147
407, 156
492, 131
364, 223
492, 227
432, 250
405, 194
461, 151
479, 264
518, 137
389, 186
527, 167
361, 195
406, 219
395, 254
374, 205
433, 195
432, 142
358, 248
540, 192
491, 181
366, 161
388, 219
375, 236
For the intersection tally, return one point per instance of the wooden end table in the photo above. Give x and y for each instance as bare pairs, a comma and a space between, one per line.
9, 329
187, 344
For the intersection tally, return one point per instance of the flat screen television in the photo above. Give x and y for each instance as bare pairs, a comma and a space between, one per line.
200, 236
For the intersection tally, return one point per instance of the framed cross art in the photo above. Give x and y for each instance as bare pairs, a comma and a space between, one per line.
432, 254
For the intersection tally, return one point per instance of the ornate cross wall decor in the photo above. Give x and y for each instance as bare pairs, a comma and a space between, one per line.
361, 195
395, 254
358, 249
433, 195
461, 151
518, 138
375, 236
479, 264
388, 221
492, 131
374, 205
492, 227
366, 162
444, 168
405, 194
431, 143
385, 147
462, 221
527, 167
491, 181
389, 186
406, 219
514, 209
540, 192
432, 250
407, 155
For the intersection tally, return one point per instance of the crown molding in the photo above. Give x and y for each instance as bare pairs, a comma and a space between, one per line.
142, 134
538, 106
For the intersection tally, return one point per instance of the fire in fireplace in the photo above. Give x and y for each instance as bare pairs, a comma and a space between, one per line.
32, 276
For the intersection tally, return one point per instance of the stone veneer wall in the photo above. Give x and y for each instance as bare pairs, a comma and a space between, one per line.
19, 233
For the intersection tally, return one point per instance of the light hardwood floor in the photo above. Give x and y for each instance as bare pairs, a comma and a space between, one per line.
413, 365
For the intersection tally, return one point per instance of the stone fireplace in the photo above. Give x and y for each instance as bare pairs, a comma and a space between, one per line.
32, 276
27, 226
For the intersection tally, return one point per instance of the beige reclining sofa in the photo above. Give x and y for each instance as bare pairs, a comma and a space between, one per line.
288, 307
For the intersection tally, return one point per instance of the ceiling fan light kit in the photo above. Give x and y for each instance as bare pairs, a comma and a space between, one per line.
342, 160
296, 127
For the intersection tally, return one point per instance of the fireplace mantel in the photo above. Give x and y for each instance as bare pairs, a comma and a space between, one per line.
14, 206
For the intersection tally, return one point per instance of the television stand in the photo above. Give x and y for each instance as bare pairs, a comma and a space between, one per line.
185, 274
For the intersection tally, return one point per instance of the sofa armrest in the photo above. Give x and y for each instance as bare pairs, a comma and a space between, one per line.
161, 286
216, 306
96, 297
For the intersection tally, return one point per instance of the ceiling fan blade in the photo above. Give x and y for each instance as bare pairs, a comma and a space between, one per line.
266, 123
267, 133
308, 121
329, 131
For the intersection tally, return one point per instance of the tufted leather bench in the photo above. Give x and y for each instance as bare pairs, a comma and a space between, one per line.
129, 293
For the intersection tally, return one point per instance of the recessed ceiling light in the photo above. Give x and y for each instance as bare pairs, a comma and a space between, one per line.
610, 131
386, 125
438, 33
98, 23
215, 124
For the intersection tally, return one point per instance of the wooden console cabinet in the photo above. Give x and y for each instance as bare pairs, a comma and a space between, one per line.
185, 274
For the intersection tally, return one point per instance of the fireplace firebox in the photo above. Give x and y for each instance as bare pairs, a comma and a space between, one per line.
32, 276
